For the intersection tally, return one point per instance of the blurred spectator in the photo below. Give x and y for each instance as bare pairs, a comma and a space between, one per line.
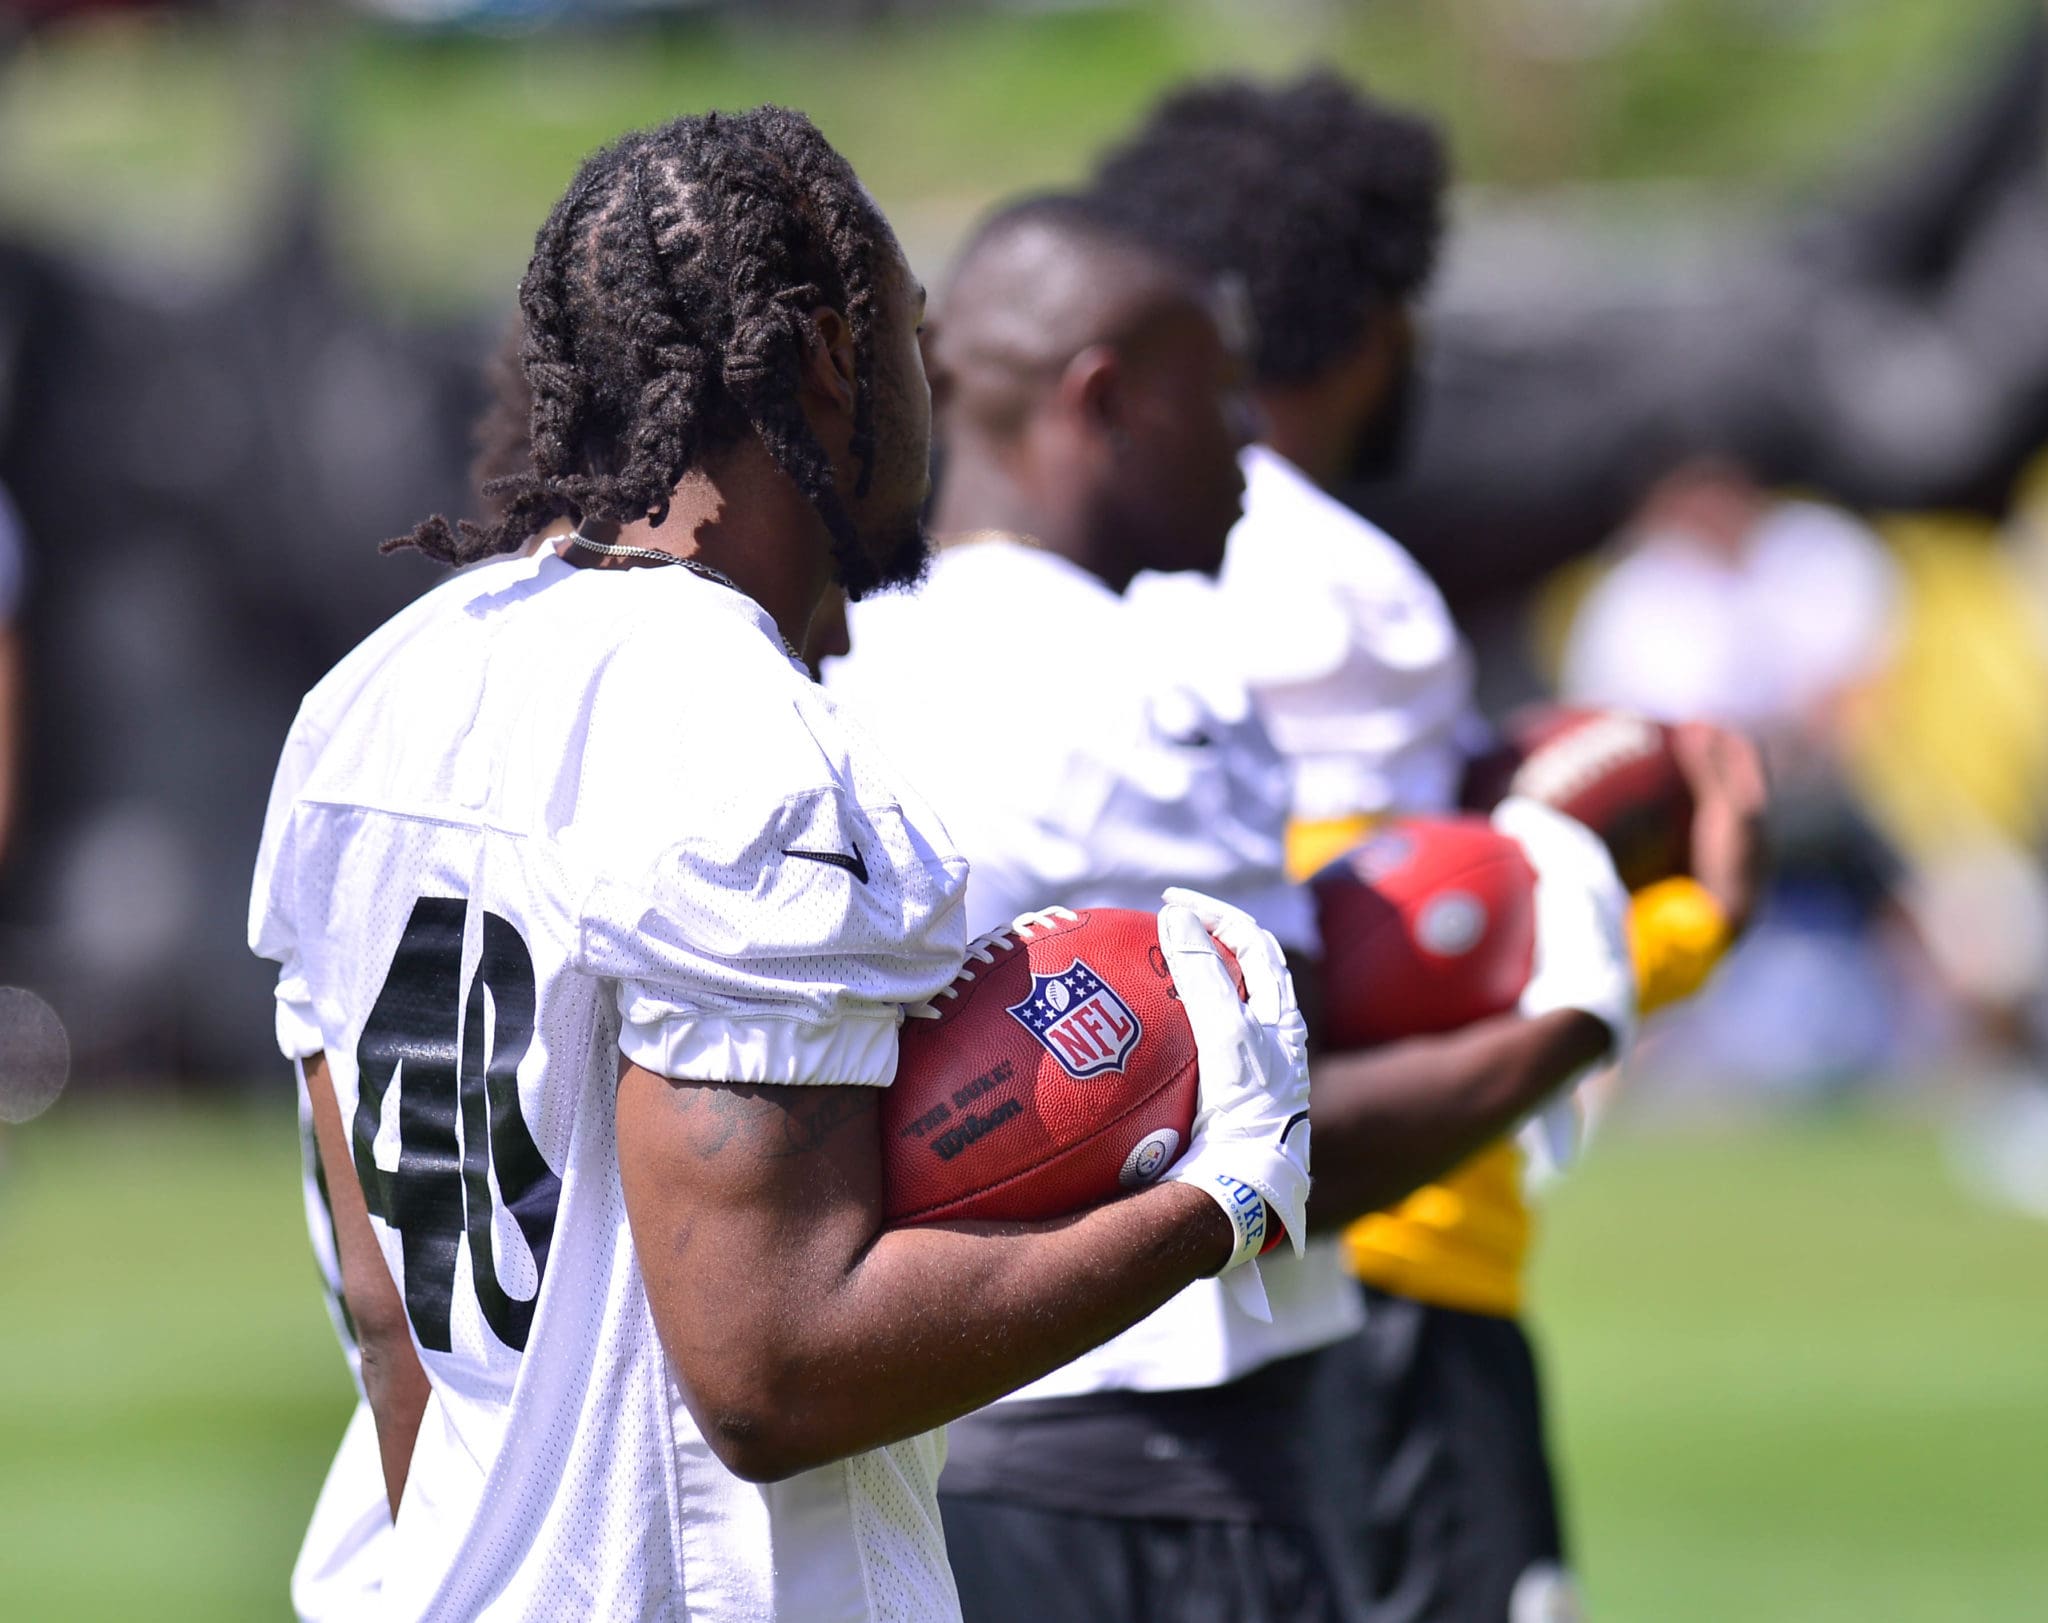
1737, 607
1774, 616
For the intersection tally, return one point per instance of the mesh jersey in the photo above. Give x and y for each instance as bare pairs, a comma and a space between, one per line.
539, 819
340, 1566
1121, 771
339, 1574
1357, 668
1128, 770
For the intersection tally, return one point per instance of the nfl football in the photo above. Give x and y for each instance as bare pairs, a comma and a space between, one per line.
1057, 1070
1611, 769
1428, 925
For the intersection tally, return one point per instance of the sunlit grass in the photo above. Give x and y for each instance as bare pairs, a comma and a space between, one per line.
1797, 1376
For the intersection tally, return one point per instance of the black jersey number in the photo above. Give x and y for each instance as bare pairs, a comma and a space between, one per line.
453, 1054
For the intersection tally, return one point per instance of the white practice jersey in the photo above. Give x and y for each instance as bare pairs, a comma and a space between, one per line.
1080, 758
1356, 666
542, 818
339, 1574
340, 1568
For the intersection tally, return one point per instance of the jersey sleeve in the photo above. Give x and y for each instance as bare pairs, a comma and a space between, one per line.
1361, 674
770, 924
273, 929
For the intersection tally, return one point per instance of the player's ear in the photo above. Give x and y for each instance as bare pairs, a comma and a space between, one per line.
828, 358
1091, 388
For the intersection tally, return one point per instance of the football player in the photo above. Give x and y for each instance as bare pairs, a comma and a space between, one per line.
588, 1006
340, 1564
1327, 206
1091, 395
339, 1569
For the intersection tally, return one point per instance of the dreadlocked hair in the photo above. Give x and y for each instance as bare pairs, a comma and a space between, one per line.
665, 315
1328, 204
499, 437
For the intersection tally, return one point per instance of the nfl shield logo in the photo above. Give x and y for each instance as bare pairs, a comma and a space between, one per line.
1082, 1023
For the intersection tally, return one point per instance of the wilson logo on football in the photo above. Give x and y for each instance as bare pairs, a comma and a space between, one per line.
1082, 1023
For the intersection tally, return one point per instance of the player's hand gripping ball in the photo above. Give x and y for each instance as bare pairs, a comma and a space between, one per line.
1428, 925
1058, 1070
1612, 770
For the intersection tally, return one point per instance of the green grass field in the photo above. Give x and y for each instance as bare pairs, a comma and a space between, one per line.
1796, 1375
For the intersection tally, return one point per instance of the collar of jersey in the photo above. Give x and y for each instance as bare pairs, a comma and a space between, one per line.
1011, 549
727, 599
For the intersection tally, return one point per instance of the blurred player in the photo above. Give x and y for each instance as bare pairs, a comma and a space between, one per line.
1090, 394
1329, 206
589, 1032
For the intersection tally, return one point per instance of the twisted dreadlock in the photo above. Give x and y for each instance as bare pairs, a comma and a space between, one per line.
666, 315
499, 436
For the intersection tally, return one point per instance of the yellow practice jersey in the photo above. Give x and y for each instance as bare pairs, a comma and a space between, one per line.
1462, 1241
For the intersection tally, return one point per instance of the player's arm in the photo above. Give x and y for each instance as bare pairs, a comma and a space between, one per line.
393, 1380
1391, 1119
1680, 928
804, 1330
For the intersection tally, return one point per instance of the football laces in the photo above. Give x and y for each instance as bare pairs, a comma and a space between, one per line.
983, 949
1567, 765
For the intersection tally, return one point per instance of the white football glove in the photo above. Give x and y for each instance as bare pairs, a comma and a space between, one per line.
1250, 1146
1582, 956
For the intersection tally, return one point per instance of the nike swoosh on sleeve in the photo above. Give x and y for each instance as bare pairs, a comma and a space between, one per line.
855, 864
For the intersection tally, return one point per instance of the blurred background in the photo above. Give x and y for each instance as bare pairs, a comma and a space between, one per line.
1736, 405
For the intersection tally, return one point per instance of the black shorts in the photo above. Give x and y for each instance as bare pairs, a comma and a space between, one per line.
1209, 1506
1024, 1564
1455, 1513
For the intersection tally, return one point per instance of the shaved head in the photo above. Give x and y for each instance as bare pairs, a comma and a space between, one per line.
1089, 392
1039, 282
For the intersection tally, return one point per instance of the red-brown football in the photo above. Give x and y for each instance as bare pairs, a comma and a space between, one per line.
1428, 925
1613, 770
1058, 1073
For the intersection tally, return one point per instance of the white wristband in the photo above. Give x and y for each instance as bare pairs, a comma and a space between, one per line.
1250, 1223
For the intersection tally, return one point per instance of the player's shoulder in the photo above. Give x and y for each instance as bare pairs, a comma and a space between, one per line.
336, 692
979, 588
1284, 508
929, 667
654, 642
